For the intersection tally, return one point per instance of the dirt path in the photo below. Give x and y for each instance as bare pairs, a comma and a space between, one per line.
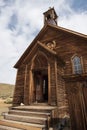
3, 106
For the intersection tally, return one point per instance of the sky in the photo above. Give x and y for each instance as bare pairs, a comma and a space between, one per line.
21, 21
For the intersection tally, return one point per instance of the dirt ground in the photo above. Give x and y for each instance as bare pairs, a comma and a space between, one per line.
3, 107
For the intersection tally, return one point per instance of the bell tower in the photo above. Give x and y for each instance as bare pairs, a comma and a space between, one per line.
50, 17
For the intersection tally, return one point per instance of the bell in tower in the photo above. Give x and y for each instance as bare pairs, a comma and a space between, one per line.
50, 17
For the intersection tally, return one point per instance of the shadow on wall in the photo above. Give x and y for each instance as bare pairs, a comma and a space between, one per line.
62, 124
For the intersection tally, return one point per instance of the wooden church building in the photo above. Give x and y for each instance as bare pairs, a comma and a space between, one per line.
52, 73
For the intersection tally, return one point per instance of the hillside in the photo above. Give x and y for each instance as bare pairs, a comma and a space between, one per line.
6, 90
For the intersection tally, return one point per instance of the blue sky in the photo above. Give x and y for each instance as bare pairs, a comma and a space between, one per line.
21, 20
79, 5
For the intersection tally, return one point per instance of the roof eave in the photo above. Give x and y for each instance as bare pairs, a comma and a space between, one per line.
69, 31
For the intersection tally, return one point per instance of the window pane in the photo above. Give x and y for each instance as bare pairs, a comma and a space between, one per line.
77, 65
76, 60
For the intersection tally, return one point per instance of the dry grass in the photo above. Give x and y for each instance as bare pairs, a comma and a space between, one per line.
6, 90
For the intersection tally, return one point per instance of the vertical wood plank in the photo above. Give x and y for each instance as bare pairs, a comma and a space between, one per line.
49, 86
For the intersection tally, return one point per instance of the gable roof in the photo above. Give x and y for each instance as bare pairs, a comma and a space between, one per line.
37, 47
41, 33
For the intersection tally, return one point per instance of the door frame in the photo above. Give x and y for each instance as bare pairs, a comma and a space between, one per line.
38, 82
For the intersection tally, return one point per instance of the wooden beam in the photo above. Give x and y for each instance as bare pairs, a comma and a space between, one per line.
49, 87
56, 80
49, 39
30, 87
25, 83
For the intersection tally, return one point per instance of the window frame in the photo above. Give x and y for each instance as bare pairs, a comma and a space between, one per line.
73, 66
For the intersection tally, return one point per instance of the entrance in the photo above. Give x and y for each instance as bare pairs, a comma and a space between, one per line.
40, 86
40, 78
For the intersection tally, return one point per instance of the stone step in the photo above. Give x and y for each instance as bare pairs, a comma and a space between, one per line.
30, 119
8, 128
29, 113
21, 125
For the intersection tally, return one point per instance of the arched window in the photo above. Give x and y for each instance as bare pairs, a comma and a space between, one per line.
77, 66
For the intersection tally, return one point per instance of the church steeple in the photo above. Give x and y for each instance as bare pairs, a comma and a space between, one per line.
50, 17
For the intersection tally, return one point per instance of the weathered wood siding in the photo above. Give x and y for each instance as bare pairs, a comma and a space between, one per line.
69, 46
53, 83
76, 106
26, 85
62, 101
19, 87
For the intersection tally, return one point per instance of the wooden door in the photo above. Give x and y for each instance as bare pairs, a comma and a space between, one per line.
45, 88
38, 87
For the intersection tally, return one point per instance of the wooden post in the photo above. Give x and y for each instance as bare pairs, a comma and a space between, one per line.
14, 95
49, 92
25, 84
56, 80
30, 87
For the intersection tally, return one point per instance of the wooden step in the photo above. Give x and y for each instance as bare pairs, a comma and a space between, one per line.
39, 104
8, 128
35, 108
21, 125
30, 119
29, 113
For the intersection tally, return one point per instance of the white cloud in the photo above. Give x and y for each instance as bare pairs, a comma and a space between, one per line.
76, 22
21, 20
